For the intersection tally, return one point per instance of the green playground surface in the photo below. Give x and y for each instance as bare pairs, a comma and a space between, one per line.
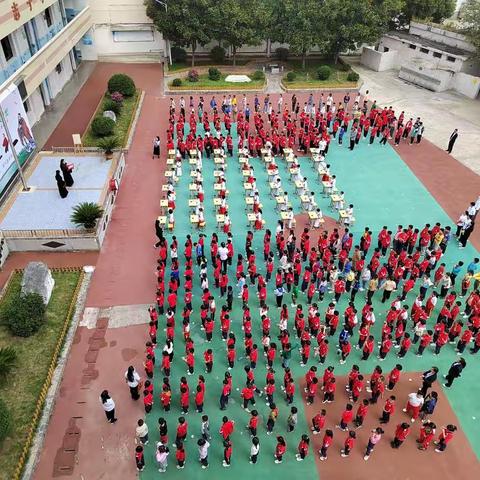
384, 191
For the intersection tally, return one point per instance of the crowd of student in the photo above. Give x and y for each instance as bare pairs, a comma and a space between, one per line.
404, 259
400, 262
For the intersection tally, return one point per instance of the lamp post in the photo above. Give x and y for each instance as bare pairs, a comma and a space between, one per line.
14, 152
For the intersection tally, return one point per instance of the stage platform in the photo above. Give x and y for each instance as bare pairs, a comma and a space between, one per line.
42, 207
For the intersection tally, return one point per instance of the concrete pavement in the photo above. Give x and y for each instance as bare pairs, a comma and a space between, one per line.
441, 112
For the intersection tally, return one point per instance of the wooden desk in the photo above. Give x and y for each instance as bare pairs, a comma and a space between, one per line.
313, 216
169, 174
192, 161
164, 188
251, 218
335, 199
170, 161
219, 161
285, 216
163, 203
193, 153
220, 219
217, 151
171, 153
287, 151
299, 184
193, 202
343, 216
246, 173
162, 220
315, 151
217, 202
194, 219
77, 143
247, 186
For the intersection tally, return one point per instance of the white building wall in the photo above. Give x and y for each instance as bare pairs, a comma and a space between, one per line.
406, 54
379, 61
58, 80
35, 107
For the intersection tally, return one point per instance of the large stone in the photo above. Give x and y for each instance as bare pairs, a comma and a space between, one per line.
37, 278
110, 114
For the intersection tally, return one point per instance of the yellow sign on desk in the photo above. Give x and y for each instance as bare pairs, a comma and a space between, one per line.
247, 186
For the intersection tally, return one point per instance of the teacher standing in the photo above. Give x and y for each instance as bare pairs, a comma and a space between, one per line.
66, 173
453, 139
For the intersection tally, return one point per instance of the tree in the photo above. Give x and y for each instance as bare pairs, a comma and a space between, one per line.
352, 22
471, 23
184, 22
298, 24
237, 23
436, 10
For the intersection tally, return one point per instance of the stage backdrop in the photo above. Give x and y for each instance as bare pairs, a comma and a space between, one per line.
20, 132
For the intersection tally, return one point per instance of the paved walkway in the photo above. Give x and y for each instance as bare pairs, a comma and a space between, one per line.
441, 112
273, 83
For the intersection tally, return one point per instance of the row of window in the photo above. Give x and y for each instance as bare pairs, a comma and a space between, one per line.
435, 54
6, 42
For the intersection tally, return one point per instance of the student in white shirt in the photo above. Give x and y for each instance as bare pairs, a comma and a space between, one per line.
133, 380
203, 447
254, 449
318, 221
108, 406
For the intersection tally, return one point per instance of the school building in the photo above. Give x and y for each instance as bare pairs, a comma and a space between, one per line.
43, 42
435, 58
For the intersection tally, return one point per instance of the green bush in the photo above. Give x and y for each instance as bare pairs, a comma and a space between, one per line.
353, 77
8, 358
25, 314
324, 72
102, 126
5, 421
108, 144
258, 75
193, 76
86, 214
113, 106
282, 54
217, 54
177, 82
121, 83
214, 74
343, 66
179, 54
291, 76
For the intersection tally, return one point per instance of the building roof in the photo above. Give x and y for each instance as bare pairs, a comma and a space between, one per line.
425, 42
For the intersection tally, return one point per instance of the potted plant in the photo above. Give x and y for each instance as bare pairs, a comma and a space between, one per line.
108, 144
86, 214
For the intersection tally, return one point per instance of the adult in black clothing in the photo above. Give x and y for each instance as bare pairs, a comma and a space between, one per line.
453, 139
67, 176
428, 378
158, 233
455, 371
465, 234
62, 189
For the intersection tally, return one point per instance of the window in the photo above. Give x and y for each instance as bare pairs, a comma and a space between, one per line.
48, 17
412, 46
7, 48
132, 35
437, 54
25, 105
386, 49
58, 68
425, 50
451, 59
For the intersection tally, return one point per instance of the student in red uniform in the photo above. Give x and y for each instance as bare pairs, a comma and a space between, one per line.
318, 422
280, 449
427, 433
139, 458
361, 413
147, 400
401, 433
303, 448
326, 442
388, 409
182, 430
184, 400
227, 428
199, 396
253, 423
394, 376
445, 437
349, 443
347, 417
180, 456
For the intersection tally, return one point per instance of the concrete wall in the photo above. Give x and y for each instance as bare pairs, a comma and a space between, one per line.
406, 54
379, 61
465, 84
439, 35
435, 80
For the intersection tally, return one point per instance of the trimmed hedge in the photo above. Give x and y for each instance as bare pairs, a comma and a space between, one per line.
214, 74
324, 72
113, 106
217, 54
121, 83
103, 126
177, 82
353, 77
291, 76
193, 76
258, 75
25, 314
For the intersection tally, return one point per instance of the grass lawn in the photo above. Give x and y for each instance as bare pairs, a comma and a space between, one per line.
205, 82
34, 355
202, 62
308, 77
122, 125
